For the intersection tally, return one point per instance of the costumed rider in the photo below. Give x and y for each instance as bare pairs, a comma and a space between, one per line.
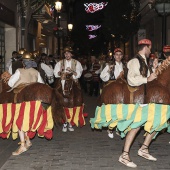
113, 71
24, 76
138, 74
64, 67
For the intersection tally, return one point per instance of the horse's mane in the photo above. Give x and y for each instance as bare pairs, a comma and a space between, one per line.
164, 65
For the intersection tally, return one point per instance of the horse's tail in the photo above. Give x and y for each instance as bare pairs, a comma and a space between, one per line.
57, 108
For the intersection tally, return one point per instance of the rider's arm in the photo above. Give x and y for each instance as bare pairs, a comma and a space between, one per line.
49, 71
40, 80
14, 78
57, 70
105, 74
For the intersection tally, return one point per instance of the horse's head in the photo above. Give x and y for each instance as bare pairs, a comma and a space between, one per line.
163, 73
67, 83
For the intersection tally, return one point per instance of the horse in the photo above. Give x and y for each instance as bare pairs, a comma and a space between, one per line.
132, 107
33, 92
72, 97
157, 91
70, 91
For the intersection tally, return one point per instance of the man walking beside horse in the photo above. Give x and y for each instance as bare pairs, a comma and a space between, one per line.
138, 74
23, 77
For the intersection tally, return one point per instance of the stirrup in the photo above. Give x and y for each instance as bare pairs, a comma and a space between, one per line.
129, 163
146, 155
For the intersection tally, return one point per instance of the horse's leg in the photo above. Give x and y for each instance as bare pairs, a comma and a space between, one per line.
57, 107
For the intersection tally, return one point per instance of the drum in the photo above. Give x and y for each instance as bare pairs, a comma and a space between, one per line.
88, 77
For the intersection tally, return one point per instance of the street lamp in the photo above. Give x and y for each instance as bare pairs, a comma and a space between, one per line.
163, 9
70, 27
58, 6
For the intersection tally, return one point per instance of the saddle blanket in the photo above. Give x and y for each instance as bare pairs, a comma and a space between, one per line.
27, 116
154, 117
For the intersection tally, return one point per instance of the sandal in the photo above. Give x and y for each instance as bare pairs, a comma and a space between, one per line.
20, 150
127, 162
28, 142
146, 155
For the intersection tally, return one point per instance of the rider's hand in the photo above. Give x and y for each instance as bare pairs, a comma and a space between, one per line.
69, 69
151, 77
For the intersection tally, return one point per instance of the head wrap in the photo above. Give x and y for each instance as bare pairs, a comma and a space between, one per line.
29, 63
118, 50
145, 42
166, 49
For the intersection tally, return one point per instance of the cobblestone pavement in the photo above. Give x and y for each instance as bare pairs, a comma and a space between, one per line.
83, 149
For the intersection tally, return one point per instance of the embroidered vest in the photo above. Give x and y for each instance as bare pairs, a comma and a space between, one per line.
73, 64
143, 66
27, 76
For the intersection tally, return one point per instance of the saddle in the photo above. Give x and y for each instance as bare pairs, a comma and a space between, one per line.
132, 90
18, 89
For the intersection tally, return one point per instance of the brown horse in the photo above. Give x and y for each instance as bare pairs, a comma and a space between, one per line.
70, 91
157, 91
34, 92
72, 99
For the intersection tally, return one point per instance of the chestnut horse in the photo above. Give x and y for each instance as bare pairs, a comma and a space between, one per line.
72, 98
70, 91
157, 91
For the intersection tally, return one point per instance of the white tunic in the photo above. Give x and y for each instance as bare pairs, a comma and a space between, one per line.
15, 77
134, 76
105, 74
78, 70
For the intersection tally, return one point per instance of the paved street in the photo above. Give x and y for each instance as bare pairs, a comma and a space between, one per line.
83, 149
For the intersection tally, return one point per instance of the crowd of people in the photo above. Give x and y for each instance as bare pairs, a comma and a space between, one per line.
93, 73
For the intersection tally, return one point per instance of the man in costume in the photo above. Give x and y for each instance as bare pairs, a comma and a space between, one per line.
68, 66
138, 74
113, 72
24, 76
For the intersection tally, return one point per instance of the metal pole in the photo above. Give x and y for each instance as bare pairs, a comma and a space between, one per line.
58, 38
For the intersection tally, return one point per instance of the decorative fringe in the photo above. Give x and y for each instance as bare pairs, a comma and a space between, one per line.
27, 116
152, 116
75, 115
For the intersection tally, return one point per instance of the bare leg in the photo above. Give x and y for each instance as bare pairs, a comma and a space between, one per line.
144, 151
27, 140
124, 158
128, 142
22, 147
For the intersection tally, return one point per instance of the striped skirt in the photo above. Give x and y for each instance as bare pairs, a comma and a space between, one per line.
154, 117
29, 117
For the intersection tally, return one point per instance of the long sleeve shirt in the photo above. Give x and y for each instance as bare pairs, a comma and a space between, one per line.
47, 69
105, 74
78, 70
134, 76
15, 77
